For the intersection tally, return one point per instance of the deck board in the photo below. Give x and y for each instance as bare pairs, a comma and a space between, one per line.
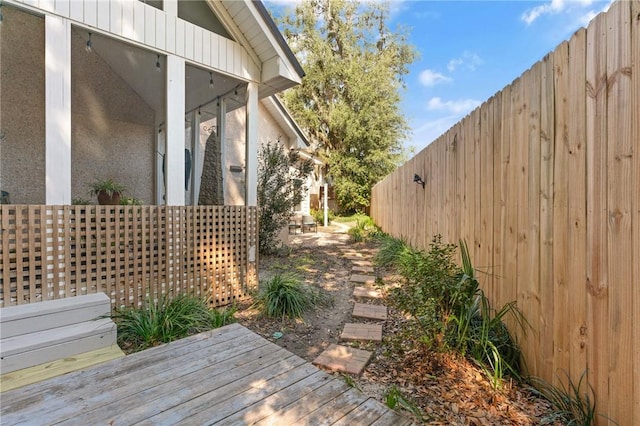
226, 376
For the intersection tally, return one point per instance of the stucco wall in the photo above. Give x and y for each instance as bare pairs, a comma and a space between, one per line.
22, 132
268, 130
113, 132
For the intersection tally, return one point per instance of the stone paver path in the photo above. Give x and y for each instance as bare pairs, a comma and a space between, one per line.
355, 331
366, 292
343, 358
362, 269
363, 279
363, 310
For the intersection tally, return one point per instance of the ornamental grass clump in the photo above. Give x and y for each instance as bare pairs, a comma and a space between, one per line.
285, 295
165, 320
573, 404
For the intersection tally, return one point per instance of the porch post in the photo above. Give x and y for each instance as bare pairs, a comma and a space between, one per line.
57, 35
174, 153
251, 146
221, 120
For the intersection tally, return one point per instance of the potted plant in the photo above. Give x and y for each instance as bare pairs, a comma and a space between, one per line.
107, 191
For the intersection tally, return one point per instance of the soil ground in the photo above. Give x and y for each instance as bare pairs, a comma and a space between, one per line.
448, 389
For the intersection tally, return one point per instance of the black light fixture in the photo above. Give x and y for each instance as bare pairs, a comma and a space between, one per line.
158, 69
1, 15
417, 179
89, 44
210, 80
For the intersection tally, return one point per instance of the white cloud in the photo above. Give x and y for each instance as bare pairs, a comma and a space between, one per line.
581, 9
469, 60
430, 78
458, 107
554, 6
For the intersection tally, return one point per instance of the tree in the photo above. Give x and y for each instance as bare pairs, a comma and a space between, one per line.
348, 101
281, 184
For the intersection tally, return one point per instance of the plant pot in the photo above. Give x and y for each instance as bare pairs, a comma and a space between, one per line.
105, 200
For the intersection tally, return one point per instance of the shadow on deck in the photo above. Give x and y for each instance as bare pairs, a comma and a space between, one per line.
226, 376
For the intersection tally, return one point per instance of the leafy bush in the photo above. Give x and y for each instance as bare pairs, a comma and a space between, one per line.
285, 295
318, 216
364, 229
166, 320
281, 184
447, 303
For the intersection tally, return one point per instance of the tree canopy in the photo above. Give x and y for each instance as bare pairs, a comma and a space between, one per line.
349, 100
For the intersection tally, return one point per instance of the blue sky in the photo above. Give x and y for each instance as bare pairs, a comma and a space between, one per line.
470, 50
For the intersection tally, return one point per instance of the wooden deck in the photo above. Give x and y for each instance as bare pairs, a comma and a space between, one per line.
226, 376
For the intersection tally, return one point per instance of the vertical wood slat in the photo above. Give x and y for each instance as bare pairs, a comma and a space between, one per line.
635, 220
619, 175
561, 320
543, 325
531, 217
596, 141
576, 207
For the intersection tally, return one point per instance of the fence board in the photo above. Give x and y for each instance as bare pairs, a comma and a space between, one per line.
619, 160
576, 206
132, 253
548, 194
561, 319
635, 220
543, 325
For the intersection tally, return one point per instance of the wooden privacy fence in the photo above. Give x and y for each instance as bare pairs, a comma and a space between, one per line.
131, 253
543, 181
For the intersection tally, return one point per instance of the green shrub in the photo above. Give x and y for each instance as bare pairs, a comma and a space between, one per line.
318, 216
285, 295
447, 303
282, 177
165, 320
364, 229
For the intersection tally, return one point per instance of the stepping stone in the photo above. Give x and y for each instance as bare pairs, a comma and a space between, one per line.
353, 331
364, 279
366, 292
343, 358
362, 263
363, 310
353, 255
363, 269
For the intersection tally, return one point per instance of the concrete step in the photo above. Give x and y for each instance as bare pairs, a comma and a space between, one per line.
376, 312
362, 279
357, 331
343, 358
366, 292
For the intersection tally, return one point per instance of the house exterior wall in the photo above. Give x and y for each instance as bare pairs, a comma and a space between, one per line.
268, 130
113, 131
22, 107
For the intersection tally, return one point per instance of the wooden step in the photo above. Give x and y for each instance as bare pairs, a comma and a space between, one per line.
38, 316
45, 371
31, 349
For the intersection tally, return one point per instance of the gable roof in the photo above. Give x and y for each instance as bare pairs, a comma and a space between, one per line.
252, 27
